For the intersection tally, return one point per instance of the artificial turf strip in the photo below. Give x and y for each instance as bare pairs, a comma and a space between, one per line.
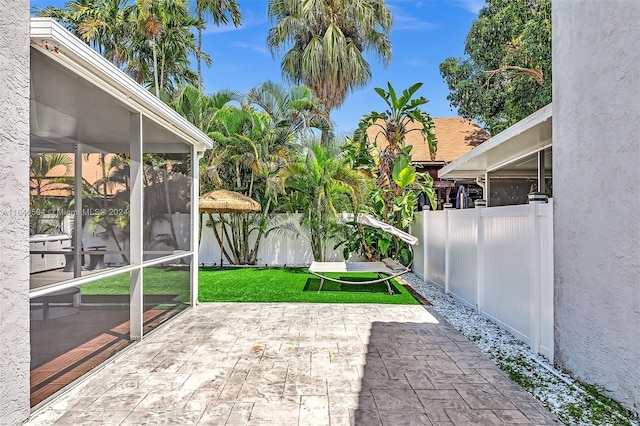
293, 285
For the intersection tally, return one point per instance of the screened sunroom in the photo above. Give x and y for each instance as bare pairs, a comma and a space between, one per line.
113, 209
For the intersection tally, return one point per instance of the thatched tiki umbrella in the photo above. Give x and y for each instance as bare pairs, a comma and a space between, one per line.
222, 201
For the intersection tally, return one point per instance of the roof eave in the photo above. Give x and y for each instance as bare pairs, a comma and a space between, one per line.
460, 168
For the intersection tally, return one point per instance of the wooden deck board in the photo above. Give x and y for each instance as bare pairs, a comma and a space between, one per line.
64, 369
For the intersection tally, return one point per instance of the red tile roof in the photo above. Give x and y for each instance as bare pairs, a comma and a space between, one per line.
91, 172
456, 136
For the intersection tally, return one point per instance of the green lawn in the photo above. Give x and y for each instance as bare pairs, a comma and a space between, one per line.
254, 285
160, 281
292, 285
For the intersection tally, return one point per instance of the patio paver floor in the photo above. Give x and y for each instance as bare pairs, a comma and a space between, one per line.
300, 364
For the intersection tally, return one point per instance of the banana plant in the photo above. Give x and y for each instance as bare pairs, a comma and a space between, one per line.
403, 113
409, 184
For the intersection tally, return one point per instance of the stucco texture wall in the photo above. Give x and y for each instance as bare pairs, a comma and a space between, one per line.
596, 176
14, 222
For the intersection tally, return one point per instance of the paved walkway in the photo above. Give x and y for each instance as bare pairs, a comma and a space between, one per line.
300, 364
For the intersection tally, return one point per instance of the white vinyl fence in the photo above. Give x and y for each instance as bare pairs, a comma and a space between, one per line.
277, 249
497, 260
181, 225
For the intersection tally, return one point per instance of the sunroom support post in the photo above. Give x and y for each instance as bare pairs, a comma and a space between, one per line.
136, 138
486, 192
195, 223
77, 221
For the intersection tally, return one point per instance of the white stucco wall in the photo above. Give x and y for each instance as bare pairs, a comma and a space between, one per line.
14, 222
596, 173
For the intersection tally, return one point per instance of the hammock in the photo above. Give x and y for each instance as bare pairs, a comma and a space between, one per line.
388, 267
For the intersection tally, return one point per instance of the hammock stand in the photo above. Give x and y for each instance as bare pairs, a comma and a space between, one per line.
388, 267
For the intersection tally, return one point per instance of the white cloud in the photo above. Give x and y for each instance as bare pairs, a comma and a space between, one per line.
252, 46
416, 62
403, 21
472, 6
248, 20
213, 29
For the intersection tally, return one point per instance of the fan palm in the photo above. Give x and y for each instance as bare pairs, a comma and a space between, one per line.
327, 40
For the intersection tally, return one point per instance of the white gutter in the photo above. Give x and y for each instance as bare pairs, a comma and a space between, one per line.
59, 44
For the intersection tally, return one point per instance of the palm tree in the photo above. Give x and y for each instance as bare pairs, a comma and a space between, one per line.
219, 11
105, 25
322, 177
392, 125
41, 181
41, 165
112, 204
165, 25
198, 108
151, 40
243, 161
327, 40
295, 111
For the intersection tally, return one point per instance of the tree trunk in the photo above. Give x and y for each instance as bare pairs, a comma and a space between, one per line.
155, 66
254, 255
104, 177
115, 238
385, 179
366, 247
215, 233
165, 182
198, 55
162, 67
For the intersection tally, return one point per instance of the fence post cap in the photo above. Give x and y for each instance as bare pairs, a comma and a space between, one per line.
537, 197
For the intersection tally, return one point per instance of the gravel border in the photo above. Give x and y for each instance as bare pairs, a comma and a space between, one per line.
557, 391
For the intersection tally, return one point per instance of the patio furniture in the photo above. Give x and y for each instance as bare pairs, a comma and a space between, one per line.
388, 267
46, 299
96, 257
46, 251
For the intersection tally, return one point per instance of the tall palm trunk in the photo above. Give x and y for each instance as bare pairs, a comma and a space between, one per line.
104, 176
219, 238
253, 259
155, 66
198, 55
165, 178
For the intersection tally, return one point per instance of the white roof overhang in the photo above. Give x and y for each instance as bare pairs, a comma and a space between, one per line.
526, 137
78, 96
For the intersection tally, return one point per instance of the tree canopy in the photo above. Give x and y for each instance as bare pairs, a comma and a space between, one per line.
506, 73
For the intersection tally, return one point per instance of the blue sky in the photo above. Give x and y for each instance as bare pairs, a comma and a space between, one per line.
425, 32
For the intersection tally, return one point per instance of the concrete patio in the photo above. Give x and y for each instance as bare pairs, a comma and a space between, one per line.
300, 364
